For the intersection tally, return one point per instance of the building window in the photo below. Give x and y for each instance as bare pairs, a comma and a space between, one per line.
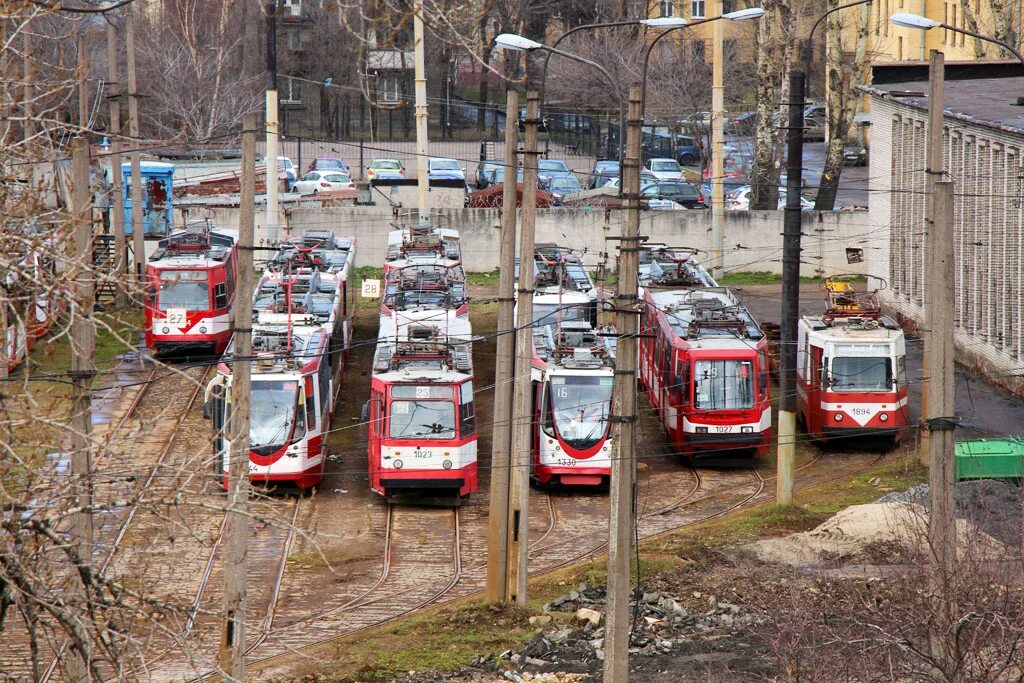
945, 20
668, 8
697, 9
291, 93
885, 18
697, 49
899, 49
388, 90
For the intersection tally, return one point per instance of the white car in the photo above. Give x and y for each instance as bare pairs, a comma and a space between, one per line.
665, 169
739, 200
664, 205
323, 181
445, 169
285, 164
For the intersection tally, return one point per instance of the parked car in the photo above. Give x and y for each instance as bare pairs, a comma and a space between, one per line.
562, 186
741, 124
679, 191
739, 200
328, 164
814, 128
646, 177
728, 185
553, 168
604, 173
323, 181
664, 205
445, 169
665, 169
285, 164
385, 169
688, 151
497, 176
854, 154
483, 172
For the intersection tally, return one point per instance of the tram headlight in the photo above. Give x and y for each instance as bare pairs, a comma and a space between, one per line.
839, 417
202, 330
167, 330
447, 464
883, 417
701, 430
398, 464
747, 430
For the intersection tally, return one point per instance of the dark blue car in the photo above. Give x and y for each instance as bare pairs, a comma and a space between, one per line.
687, 151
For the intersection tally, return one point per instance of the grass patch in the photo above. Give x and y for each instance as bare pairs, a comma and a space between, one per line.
491, 278
764, 277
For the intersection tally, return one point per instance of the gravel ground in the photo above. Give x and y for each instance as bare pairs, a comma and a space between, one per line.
992, 506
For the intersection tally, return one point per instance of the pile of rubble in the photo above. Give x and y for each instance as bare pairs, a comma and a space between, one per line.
571, 639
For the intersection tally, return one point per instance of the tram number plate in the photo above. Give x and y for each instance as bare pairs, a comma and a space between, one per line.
175, 316
721, 429
565, 462
860, 412
421, 453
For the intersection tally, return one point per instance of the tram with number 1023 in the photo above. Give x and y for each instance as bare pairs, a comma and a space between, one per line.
851, 370
704, 362
190, 288
421, 414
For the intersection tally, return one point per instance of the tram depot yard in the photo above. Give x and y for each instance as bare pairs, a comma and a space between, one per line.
344, 586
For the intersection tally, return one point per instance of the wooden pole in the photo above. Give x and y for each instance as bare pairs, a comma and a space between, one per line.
138, 208
83, 84
622, 512
934, 165
232, 644
83, 345
497, 529
522, 409
117, 189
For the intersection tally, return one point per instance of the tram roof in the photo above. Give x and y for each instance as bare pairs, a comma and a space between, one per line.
705, 313
434, 323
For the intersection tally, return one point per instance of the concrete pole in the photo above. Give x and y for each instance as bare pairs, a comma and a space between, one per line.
232, 641
419, 59
117, 189
272, 231
934, 166
497, 529
522, 410
138, 239
5, 433
29, 88
622, 509
718, 142
83, 84
792, 227
83, 346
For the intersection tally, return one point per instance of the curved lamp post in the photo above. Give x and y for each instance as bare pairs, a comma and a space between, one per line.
909, 20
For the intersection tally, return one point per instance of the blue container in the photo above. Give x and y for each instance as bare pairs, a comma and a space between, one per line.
157, 193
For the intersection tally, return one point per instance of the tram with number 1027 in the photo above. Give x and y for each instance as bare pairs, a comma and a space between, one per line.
704, 362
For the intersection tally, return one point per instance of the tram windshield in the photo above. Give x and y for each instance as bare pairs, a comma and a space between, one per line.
577, 408
429, 415
550, 314
275, 417
723, 384
186, 289
861, 373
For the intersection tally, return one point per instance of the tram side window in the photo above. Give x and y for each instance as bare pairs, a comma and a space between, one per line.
220, 296
324, 378
825, 381
901, 371
762, 374
467, 411
666, 364
300, 419
679, 380
310, 404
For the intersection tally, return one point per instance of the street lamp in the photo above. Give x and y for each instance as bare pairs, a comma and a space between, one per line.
909, 20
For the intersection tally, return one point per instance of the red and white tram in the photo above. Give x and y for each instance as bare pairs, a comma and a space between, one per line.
190, 290
422, 292
664, 266
851, 369
704, 361
421, 415
418, 245
291, 402
572, 382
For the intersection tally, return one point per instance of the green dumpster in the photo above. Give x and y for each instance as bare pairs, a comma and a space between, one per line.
990, 459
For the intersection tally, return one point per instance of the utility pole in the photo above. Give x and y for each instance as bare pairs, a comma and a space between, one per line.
5, 433
117, 190
623, 474
83, 346
791, 234
419, 59
138, 239
522, 409
232, 641
271, 233
29, 88
83, 85
939, 412
718, 142
497, 529
934, 172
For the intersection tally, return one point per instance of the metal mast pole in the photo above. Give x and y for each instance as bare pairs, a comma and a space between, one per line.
272, 231
138, 242
497, 530
621, 520
117, 188
232, 642
83, 347
717, 142
419, 58
786, 449
522, 411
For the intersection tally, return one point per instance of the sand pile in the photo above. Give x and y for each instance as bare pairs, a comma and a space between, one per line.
858, 533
